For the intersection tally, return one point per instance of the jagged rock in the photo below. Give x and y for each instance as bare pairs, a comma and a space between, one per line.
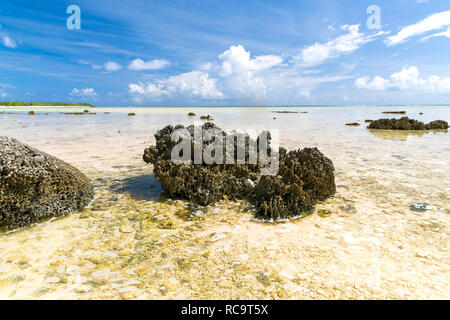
437, 125
35, 186
405, 123
304, 177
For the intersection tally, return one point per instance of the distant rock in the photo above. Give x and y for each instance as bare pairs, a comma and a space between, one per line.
285, 111
35, 186
191, 114
31, 113
437, 125
207, 118
353, 124
131, 114
395, 112
406, 124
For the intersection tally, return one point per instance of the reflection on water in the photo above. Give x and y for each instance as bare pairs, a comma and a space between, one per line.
402, 135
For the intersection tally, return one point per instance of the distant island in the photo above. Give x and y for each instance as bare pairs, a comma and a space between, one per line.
26, 104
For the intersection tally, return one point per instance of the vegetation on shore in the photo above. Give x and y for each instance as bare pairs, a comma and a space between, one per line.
26, 104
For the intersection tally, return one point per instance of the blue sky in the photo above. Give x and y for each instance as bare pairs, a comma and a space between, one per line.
167, 53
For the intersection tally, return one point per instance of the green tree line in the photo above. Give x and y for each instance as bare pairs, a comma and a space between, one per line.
22, 104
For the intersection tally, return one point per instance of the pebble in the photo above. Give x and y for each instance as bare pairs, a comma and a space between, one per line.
225, 283
53, 280
420, 207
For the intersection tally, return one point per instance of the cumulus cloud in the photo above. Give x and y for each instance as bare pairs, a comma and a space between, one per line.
243, 76
406, 79
195, 84
112, 66
139, 64
430, 23
86, 92
236, 76
320, 52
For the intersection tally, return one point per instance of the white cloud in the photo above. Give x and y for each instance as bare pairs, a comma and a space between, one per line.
112, 66
86, 92
243, 76
3, 87
139, 64
6, 40
238, 77
320, 52
407, 80
438, 34
109, 66
430, 23
194, 84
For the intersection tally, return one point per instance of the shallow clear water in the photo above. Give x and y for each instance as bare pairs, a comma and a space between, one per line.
133, 244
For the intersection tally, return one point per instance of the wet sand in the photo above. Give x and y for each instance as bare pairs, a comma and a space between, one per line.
133, 243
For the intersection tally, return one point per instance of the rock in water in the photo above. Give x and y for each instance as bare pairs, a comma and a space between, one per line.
35, 186
405, 123
304, 177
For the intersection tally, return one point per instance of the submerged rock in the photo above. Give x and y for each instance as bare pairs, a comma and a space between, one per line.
420, 207
437, 125
405, 123
395, 112
304, 177
208, 118
35, 186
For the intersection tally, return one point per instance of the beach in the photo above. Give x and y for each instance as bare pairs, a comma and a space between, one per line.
133, 242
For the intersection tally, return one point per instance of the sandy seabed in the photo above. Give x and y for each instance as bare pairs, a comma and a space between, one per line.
134, 243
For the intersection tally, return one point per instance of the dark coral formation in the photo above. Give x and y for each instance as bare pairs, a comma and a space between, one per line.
437, 125
304, 177
35, 186
405, 123
394, 112
207, 118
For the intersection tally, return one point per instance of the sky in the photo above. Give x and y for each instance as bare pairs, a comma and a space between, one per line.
226, 53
